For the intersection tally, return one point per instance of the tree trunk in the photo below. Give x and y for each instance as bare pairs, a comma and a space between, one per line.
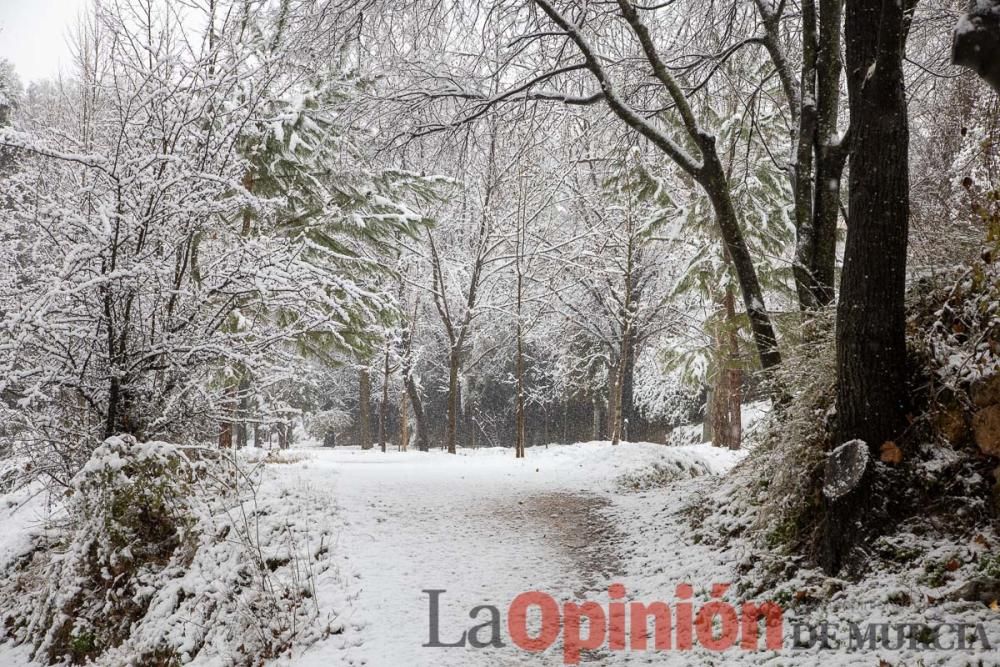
404, 422
423, 444
871, 343
830, 153
619, 388
364, 409
629, 419
383, 412
734, 373
717, 187
612, 402
595, 431
803, 267
519, 417
724, 406
453, 389
413, 393
707, 433
226, 428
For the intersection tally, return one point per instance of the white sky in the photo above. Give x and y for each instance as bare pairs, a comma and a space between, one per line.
33, 35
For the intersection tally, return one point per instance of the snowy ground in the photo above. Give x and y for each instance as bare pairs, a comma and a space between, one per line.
383, 528
568, 521
482, 526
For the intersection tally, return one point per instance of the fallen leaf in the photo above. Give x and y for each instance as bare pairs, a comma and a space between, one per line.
891, 453
994, 606
952, 565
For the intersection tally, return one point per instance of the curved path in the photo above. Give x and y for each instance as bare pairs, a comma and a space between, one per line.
481, 528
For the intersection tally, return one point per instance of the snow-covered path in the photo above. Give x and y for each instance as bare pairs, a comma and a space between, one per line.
481, 526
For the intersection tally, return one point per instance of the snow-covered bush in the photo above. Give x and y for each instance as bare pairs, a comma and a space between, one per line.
321, 424
161, 554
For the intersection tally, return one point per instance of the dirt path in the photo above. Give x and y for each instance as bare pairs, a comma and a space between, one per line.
480, 535
576, 523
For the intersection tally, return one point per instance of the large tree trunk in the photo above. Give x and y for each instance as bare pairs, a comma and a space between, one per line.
364, 409
871, 343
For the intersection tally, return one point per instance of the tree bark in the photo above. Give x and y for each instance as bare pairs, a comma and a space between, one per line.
871, 343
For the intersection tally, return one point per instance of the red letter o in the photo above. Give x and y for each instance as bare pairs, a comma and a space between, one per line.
517, 621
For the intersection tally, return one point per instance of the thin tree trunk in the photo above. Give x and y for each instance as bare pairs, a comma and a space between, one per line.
803, 180
364, 409
383, 413
595, 431
753, 297
735, 375
412, 391
404, 422
629, 417
616, 428
519, 417
612, 401
453, 398
830, 151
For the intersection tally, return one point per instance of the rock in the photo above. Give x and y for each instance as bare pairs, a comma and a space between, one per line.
950, 423
986, 428
845, 468
985, 391
982, 589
